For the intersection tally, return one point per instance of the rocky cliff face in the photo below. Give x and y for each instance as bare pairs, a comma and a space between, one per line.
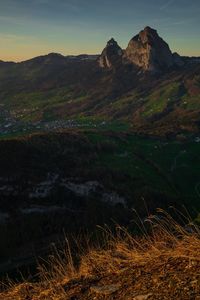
146, 50
149, 51
111, 55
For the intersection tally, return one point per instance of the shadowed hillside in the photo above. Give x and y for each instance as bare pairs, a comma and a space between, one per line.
72, 180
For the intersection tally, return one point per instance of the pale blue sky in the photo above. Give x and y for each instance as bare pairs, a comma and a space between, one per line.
33, 27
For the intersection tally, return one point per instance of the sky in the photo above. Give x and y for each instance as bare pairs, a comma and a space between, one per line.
29, 28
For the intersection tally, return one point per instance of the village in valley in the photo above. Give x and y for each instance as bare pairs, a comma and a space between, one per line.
11, 123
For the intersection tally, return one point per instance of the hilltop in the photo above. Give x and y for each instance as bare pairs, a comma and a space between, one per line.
162, 265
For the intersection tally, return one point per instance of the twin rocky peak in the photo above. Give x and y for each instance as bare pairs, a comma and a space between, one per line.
147, 50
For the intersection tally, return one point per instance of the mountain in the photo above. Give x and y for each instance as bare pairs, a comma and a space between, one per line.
150, 52
147, 50
145, 85
111, 55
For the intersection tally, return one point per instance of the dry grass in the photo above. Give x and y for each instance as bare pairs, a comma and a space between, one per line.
159, 261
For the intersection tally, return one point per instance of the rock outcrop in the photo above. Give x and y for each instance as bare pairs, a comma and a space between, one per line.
149, 51
111, 55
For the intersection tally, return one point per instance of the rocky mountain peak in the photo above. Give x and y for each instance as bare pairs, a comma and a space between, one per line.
112, 43
148, 34
149, 51
111, 55
146, 50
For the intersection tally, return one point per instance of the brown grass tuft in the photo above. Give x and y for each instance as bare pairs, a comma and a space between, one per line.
162, 264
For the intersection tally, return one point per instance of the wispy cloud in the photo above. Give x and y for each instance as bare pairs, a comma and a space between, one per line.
11, 20
167, 4
59, 4
14, 39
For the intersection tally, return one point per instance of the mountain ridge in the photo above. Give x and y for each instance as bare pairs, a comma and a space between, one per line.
146, 29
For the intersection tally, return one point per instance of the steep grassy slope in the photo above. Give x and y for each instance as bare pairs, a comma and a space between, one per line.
163, 264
